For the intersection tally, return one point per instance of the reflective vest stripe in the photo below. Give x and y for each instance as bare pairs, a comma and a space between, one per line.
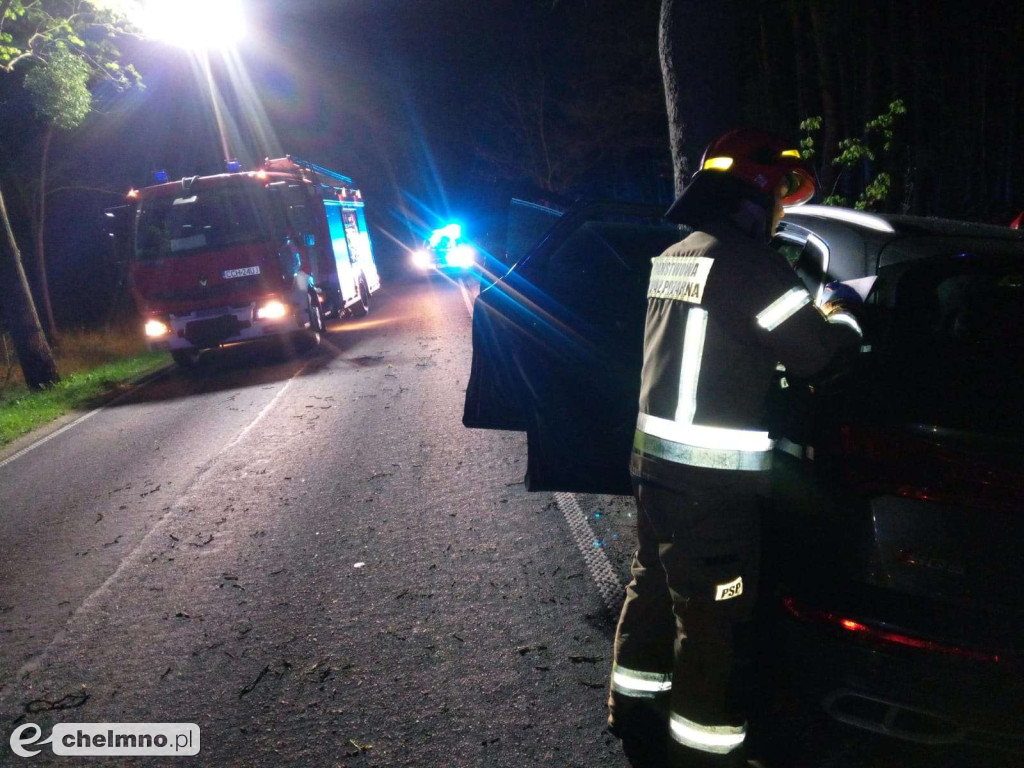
631, 682
693, 351
696, 456
783, 308
718, 739
700, 436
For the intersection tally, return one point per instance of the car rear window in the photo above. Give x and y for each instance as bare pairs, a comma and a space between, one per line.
954, 351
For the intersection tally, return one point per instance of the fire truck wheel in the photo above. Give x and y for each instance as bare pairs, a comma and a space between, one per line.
361, 307
185, 358
316, 315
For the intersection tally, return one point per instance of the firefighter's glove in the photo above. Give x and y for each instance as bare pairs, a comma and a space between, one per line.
841, 305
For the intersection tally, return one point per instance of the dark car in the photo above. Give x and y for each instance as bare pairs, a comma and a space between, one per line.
897, 513
899, 491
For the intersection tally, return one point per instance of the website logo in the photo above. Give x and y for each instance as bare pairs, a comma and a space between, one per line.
109, 739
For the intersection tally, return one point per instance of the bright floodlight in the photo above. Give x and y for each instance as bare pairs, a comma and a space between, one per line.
202, 24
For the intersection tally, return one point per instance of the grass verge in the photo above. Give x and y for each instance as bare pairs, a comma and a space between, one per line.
93, 367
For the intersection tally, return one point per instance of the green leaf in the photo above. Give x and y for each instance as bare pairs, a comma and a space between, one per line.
59, 89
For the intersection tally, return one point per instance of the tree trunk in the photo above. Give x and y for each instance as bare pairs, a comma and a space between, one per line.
796, 29
20, 315
829, 107
668, 44
50, 326
700, 69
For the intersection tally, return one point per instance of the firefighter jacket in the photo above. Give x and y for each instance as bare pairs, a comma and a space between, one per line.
724, 309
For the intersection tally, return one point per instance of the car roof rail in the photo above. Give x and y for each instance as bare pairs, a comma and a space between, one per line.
850, 216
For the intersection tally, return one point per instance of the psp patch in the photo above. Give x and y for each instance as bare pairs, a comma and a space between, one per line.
732, 589
680, 278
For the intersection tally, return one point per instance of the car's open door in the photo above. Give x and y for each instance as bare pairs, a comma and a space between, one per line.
558, 346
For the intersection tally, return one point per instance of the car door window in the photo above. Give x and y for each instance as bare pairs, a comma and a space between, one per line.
527, 224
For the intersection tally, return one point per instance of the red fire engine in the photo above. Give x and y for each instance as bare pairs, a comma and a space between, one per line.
240, 256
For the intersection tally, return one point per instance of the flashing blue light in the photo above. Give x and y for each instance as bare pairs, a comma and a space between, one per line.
161, 177
452, 231
233, 166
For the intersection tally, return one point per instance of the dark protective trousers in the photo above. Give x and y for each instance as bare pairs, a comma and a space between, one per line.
676, 674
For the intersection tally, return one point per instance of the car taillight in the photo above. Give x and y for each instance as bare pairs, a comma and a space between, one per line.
882, 636
889, 461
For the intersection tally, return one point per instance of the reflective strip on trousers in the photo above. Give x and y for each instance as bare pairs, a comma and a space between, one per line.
783, 308
717, 739
699, 446
641, 685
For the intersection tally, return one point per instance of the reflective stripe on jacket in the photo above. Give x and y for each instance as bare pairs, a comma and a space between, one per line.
723, 310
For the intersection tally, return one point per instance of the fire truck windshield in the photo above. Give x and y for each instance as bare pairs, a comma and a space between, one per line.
207, 219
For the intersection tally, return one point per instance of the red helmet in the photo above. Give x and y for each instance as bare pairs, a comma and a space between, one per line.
759, 159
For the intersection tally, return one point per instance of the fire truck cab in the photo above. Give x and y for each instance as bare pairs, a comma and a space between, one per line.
246, 255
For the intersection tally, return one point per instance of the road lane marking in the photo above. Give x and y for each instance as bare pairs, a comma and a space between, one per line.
180, 503
134, 390
594, 556
465, 296
264, 412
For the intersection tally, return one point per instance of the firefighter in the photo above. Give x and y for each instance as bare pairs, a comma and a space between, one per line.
724, 309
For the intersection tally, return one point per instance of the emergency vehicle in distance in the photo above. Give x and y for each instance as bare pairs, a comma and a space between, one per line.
445, 251
247, 255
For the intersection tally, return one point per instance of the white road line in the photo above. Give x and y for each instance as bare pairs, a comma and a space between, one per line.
594, 556
465, 296
179, 504
264, 412
80, 419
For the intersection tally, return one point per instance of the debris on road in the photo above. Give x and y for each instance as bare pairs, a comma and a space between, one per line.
70, 701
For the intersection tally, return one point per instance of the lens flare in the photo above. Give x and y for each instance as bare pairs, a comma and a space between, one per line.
196, 24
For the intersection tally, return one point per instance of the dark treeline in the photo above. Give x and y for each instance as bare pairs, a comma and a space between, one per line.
461, 104
955, 65
579, 103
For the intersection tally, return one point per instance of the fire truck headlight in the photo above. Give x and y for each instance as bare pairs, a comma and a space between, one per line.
462, 256
421, 259
272, 310
156, 328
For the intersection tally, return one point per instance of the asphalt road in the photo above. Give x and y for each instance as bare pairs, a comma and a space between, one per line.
311, 559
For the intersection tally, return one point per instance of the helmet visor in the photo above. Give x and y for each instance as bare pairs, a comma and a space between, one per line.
799, 187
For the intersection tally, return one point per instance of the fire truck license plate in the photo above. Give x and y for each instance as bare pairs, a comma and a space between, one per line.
227, 274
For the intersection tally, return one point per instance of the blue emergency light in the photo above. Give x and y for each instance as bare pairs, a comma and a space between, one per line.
160, 177
233, 166
452, 231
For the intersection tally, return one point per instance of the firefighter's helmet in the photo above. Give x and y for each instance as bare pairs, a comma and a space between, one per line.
760, 160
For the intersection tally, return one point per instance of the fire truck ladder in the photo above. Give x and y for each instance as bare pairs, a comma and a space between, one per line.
320, 170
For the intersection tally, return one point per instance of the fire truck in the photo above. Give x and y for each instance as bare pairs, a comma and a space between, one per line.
246, 255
